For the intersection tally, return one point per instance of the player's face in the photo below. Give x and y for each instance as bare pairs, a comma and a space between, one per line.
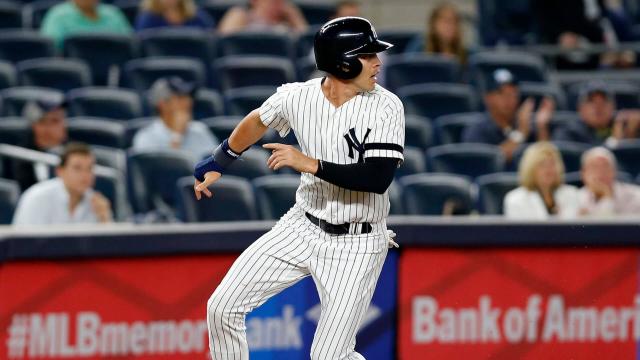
77, 173
366, 80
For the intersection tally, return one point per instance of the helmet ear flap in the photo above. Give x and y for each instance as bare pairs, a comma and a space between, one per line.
349, 68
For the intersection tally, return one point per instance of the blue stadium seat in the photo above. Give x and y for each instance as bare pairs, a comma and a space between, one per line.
241, 101
414, 162
14, 131
625, 93
60, 74
140, 74
466, 159
524, 66
316, 13
628, 156
272, 136
34, 12
492, 188
304, 43
19, 45
449, 128
111, 103
13, 99
97, 131
207, 103
110, 157
306, 69
538, 91
437, 99
129, 8
501, 22
256, 43
217, 8
104, 53
403, 70
241, 71
222, 126
232, 200
275, 194
132, 126
251, 165
183, 42
395, 199
399, 38
7, 75
10, 15
418, 132
111, 184
9, 194
436, 194
152, 178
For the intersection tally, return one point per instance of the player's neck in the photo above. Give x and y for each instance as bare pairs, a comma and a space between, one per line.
338, 91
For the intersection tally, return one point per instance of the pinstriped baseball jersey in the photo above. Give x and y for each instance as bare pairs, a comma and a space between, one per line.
371, 124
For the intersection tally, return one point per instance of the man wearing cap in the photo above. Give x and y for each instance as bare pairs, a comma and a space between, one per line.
506, 123
48, 132
173, 100
599, 123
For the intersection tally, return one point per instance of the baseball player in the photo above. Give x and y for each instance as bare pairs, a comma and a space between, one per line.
351, 134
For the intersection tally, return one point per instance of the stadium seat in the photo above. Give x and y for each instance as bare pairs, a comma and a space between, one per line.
492, 188
13, 99
54, 73
110, 157
395, 199
414, 162
10, 15
304, 43
207, 103
217, 8
449, 128
306, 69
524, 66
111, 103
436, 194
502, 22
111, 184
256, 43
14, 131
132, 126
625, 93
399, 38
251, 165
628, 156
232, 200
316, 13
129, 8
241, 101
275, 194
437, 99
222, 126
19, 45
466, 159
34, 13
152, 178
418, 132
104, 53
97, 131
9, 194
538, 91
140, 74
240, 71
272, 136
403, 70
562, 118
7, 75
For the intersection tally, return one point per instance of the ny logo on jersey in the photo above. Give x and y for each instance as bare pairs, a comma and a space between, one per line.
354, 143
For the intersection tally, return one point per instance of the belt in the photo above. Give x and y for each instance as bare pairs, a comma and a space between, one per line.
342, 229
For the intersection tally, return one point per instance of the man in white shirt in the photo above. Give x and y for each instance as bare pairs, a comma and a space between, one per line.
602, 195
174, 128
67, 198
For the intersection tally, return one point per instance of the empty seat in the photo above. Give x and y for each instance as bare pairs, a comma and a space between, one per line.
97, 131
538, 91
104, 53
111, 184
449, 128
140, 74
14, 131
502, 22
241, 101
60, 74
7, 75
235, 71
22, 45
436, 194
399, 38
207, 103
182, 42
414, 162
275, 194
403, 70
152, 177
232, 200
524, 66
132, 126
418, 132
10, 15
129, 8
304, 43
306, 69
217, 8
251, 165
395, 199
437, 99
256, 43
466, 159
111, 103
34, 12
492, 189
628, 156
9, 194
222, 126
316, 13
110, 157
13, 99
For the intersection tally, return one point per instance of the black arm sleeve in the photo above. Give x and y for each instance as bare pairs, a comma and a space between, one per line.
373, 175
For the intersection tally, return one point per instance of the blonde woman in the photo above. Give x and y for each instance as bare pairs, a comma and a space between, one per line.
172, 13
542, 193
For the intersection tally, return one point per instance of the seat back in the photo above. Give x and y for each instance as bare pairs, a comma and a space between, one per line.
467, 159
436, 194
275, 194
232, 200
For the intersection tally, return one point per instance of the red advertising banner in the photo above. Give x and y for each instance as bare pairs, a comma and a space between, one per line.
519, 304
149, 308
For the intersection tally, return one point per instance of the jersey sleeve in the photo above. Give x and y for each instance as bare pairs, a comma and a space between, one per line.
272, 112
387, 135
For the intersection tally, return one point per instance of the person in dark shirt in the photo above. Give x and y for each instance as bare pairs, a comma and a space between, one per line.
172, 13
507, 123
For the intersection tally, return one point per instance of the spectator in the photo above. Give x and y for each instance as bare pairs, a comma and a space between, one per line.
506, 123
48, 133
174, 128
68, 198
264, 15
82, 16
165, 13
542, 192
347, 8
602, 195
443, 36
600, 124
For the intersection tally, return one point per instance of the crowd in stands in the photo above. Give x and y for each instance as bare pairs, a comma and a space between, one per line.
489, 130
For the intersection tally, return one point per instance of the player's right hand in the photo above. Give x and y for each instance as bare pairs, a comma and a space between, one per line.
202, 187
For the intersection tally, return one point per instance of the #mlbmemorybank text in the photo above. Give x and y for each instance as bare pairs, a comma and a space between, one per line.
535, 322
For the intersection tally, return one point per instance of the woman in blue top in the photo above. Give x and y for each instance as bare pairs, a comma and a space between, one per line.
163, 13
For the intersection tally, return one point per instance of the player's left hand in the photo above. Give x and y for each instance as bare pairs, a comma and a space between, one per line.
286, 155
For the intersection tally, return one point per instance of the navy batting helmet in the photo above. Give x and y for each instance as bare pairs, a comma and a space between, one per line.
339, 42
